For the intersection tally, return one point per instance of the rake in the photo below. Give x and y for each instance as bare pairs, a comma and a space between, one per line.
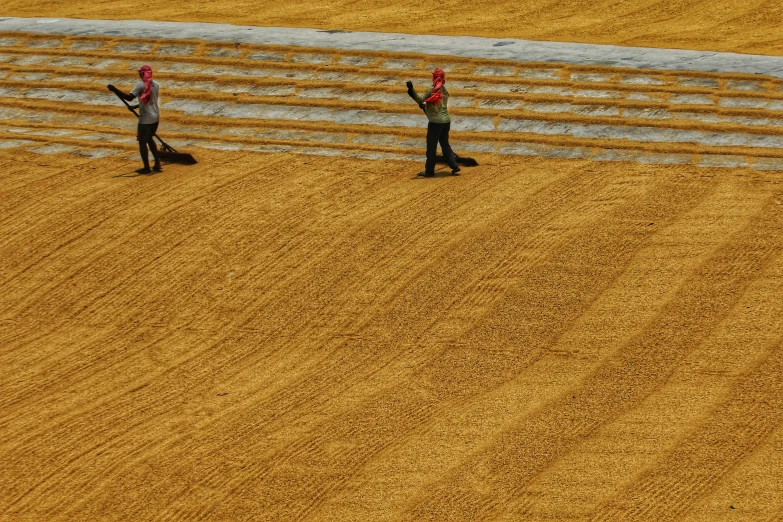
465, 161
166, 152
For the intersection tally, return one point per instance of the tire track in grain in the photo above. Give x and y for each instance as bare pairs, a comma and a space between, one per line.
611, 458
729, 435
114, 260
398, 418
444, 394
454, 434
618, 385
175, 207
63, 229
111, 263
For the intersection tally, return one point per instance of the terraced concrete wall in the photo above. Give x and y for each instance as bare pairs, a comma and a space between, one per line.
329, 101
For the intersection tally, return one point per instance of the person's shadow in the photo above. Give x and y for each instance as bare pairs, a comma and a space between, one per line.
135, 174
439, 173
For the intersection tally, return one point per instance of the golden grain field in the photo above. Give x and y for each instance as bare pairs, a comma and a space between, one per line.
281, 337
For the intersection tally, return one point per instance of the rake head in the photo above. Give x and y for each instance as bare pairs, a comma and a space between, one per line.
461, 160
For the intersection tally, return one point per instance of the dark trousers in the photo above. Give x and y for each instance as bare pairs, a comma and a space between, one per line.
146, 132
438, 133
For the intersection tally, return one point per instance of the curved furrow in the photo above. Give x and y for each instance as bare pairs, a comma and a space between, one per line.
730, 434
455, 435
627, 445
396, 403
111, 256
619, 384
752, 488
106, 265
150, 223
397, 294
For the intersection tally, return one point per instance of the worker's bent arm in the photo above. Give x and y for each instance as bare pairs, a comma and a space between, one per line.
413, 94
124, 95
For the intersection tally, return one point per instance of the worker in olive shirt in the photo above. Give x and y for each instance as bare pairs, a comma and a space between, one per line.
435, 105
146, 91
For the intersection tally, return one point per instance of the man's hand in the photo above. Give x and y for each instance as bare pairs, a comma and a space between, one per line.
411, 92
124, 95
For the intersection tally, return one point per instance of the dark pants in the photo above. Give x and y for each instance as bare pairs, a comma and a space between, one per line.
438, 133
146, 132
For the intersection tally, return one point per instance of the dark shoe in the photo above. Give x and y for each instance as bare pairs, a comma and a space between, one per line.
455, 171
143, 170
426, 174
157, 168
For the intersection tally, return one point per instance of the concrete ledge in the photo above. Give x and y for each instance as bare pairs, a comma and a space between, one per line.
519, 149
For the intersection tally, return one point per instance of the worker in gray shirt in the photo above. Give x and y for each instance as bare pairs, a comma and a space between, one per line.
146, 91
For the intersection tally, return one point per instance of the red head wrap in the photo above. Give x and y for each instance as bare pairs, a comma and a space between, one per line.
145, 72
438, 81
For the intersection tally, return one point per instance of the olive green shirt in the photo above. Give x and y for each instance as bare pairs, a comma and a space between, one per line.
436, 112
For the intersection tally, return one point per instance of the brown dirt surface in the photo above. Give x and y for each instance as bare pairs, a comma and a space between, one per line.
288, 337
751, 26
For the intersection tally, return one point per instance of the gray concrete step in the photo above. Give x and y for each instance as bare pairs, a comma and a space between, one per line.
346, 101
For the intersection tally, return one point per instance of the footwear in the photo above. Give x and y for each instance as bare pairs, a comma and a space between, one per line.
143, 170
426, 174
455, 171
157, 168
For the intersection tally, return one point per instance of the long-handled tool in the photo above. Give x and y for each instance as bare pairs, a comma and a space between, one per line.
461, 160
166, 152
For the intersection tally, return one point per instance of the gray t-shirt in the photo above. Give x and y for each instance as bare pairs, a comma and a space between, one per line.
148, 112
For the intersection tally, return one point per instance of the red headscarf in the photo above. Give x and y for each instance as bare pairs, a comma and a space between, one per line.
146, 76
438, 81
